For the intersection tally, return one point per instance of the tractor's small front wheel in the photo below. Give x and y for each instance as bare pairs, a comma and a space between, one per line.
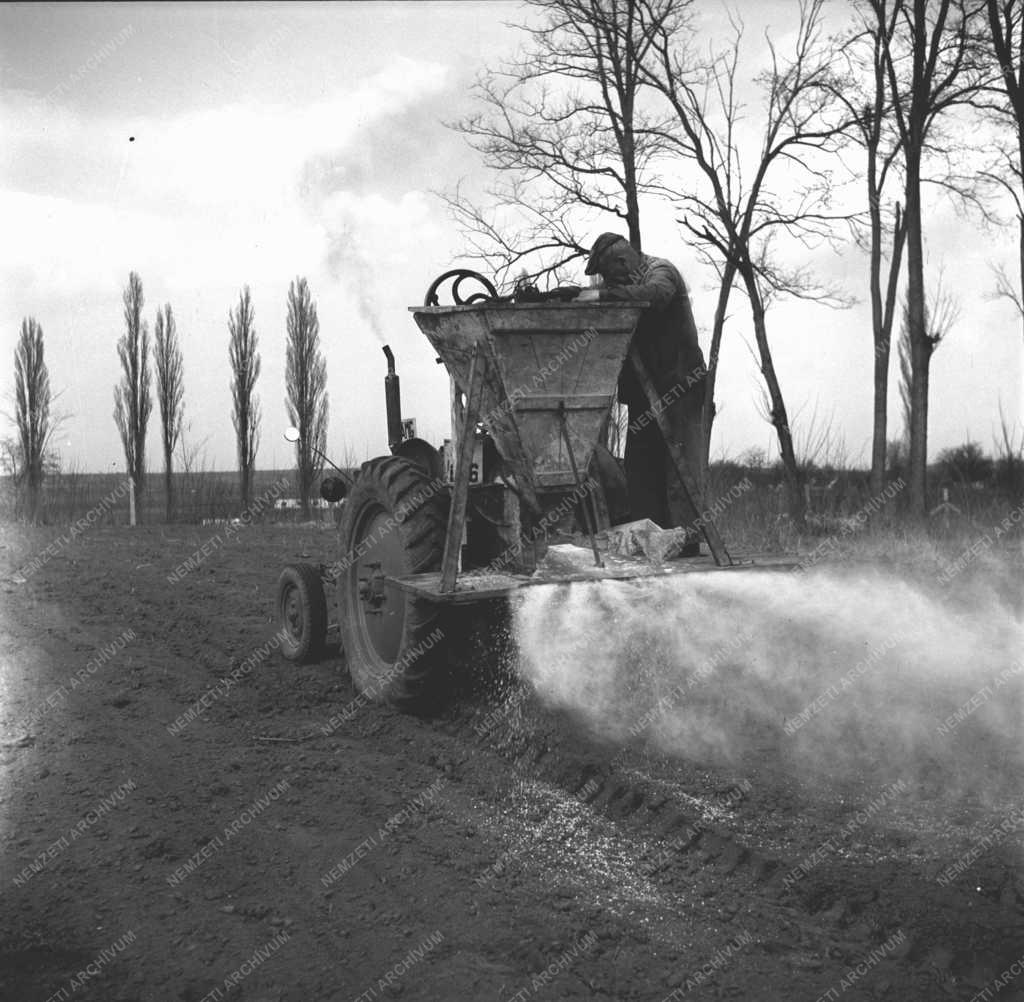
302, 611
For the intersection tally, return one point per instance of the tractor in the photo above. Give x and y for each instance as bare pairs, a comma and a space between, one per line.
426, 532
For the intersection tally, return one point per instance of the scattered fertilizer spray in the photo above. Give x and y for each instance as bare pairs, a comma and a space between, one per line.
833, 669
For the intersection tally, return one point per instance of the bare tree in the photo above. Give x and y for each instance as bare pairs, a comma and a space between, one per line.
565, 129
1007, 287
133, 401
245, 370
1005, 38
32, 413
196, 502
170, 391
306, 381
939, 321
863, 94
930, 70
734, 213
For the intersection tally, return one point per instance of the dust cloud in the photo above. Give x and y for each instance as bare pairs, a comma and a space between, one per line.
828, 671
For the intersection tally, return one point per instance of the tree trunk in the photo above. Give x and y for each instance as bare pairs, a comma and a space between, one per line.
244, 463
779, 418
168, 488
880, 421
920, 349
632, 199
1018, 108
724, 291
137, 487
879, 424
633, 215
1020, 220
920, 359
305, 477
33, 482
883, 313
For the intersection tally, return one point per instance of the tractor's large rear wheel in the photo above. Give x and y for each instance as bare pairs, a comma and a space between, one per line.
393, 524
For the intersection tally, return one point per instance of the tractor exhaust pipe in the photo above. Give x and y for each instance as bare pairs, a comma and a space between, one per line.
393, 401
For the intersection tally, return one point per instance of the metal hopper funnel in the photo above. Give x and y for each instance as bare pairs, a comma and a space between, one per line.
542, 361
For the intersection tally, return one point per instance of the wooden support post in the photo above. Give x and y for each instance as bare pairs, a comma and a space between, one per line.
463, 461
690, 488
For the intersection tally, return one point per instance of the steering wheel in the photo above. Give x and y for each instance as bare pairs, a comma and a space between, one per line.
460, 275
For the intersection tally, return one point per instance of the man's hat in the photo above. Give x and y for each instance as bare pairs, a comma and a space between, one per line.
601, 244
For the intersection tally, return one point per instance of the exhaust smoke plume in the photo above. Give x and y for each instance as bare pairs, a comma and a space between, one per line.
346, 261
835, 671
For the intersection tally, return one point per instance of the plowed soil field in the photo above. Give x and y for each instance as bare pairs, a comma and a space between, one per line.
186, 816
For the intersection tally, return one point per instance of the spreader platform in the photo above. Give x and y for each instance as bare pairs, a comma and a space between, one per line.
485, 586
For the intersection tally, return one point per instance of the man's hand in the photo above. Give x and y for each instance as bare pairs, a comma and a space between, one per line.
589, 296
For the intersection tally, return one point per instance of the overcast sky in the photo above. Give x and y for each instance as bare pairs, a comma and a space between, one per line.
211, 146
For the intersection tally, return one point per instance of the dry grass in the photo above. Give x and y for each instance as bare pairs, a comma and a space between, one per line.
846, 521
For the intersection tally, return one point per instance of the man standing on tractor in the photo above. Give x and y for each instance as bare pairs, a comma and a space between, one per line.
666, 339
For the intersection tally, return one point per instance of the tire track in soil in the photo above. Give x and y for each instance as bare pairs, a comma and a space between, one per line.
842, 914
956, 943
